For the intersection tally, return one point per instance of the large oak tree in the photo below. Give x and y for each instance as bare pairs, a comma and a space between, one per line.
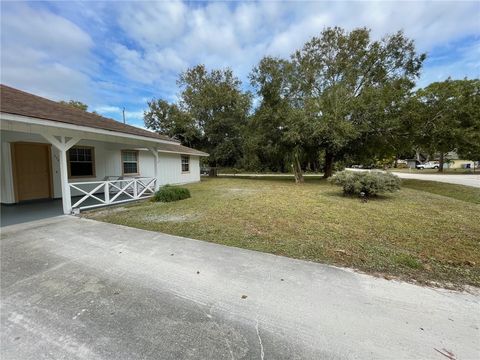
336, 74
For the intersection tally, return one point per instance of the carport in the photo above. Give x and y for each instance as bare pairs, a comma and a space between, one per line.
31, 211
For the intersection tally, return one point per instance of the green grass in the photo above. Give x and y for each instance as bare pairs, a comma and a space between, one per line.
419, 233
459, 192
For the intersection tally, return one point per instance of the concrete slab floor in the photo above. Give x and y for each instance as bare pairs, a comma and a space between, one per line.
29, 211
79, 289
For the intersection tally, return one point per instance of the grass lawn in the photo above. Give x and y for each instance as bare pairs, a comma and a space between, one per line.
459, 192
428, 232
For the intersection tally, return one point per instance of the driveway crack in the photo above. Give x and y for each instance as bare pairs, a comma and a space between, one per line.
262, 353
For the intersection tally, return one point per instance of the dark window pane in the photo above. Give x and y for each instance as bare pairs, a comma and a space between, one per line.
72, 154
130, 168
185, 163
81, 169
129, 155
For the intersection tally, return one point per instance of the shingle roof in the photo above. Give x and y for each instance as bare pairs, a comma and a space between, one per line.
17, 102
179, 149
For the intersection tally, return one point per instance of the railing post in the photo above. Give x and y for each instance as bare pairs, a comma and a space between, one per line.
106, 191
135, 188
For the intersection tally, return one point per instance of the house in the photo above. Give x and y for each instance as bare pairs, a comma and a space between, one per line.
452, 161
50, 151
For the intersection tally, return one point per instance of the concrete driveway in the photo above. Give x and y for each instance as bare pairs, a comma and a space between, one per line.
79, 289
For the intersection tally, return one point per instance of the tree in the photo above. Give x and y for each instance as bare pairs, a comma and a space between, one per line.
468, 146
268, 145
76, 104
385, 120
168, 119
219, 109
334, 74
448, 117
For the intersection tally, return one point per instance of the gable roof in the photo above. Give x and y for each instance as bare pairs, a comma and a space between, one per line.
17, 102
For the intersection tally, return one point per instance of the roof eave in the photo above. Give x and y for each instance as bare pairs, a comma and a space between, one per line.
63, 125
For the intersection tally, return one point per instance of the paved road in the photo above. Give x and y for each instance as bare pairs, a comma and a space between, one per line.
79, 289
468, 180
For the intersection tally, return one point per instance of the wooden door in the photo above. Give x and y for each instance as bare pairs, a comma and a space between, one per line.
32, 171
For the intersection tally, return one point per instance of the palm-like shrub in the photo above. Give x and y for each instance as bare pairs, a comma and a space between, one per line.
367, 184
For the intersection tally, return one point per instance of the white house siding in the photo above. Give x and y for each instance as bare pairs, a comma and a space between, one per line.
107, 163
171, 169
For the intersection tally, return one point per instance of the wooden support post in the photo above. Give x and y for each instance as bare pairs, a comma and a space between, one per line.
63, 146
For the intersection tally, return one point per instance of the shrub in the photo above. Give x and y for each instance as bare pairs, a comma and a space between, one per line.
366, 183
170, 193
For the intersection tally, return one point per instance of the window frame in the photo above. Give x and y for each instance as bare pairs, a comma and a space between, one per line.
94, 168
188, 163
122, 162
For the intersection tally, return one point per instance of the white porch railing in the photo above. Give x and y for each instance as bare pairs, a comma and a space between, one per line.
109, 192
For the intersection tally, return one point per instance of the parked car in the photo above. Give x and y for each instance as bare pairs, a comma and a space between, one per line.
428, 165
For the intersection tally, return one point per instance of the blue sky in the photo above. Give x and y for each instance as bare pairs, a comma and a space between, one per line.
120, 54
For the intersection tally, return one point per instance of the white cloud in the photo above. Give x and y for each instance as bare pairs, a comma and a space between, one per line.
153, 23
45, 53
238, 35
464, 64
120, 53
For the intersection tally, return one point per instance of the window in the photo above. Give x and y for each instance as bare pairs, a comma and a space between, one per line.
130, 162
185, 163
81, 161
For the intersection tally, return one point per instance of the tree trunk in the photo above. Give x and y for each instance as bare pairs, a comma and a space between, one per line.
395, 165
417, 155
328, 168
297, 169
441, 161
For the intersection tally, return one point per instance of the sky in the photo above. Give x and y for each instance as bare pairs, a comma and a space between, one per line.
114, 55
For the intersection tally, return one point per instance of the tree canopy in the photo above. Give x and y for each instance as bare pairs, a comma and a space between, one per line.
342, 97
76, 104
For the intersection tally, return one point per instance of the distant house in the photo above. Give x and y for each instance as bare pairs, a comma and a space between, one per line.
50, 150
452, 161
412, 163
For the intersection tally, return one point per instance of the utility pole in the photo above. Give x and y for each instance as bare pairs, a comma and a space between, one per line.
123, 112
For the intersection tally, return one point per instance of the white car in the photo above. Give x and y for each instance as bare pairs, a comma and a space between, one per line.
428, 165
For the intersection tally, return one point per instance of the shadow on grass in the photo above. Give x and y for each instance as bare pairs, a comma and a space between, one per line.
339, 194
280, 178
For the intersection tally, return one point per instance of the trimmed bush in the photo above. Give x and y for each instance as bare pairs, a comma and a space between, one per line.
366, 183
170, 193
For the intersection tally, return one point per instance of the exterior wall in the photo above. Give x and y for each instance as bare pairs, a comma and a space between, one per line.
459, 164
171, 169
107, 163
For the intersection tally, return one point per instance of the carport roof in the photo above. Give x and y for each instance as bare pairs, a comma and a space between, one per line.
17, 102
